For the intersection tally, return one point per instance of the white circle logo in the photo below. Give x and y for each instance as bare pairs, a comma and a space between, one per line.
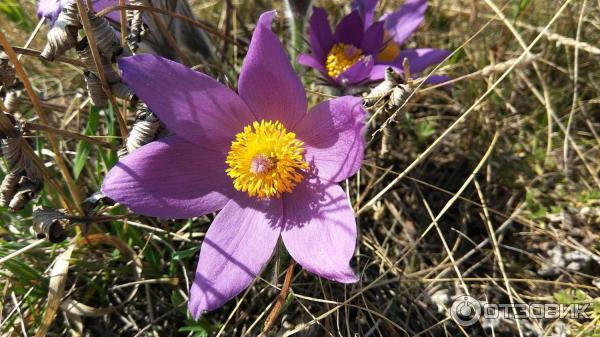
465, 310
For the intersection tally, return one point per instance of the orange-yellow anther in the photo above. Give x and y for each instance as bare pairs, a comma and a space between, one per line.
341, 57
266, 160
391, 49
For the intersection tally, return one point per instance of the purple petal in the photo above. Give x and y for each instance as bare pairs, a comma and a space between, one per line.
421, 59
333, 136
237, 245
312, 62
321, 37
378, 71
350, 30
366, 8
170, 178
99, 5
49, 9
357, 73
320, 230
268, 82
192, 104
406, 20
373, 40
437, 79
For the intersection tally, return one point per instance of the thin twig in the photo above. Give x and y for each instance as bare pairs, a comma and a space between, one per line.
36, 53
68, 134
60, 163
85, 21
22, 250
434, 145
270, 321
170, 40
575, 93
123, 19
205, 26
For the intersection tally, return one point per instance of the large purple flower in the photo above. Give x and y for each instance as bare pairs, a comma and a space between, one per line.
258, 155
360, 49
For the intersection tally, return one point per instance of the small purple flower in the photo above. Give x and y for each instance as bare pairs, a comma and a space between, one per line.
360, 50
258, 156
49, 9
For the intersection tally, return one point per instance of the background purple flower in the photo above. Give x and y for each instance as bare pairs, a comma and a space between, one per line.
360, 50
186, 175
49, 9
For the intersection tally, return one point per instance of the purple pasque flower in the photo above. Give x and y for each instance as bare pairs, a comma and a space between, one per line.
49, 9
360, 49
258, 156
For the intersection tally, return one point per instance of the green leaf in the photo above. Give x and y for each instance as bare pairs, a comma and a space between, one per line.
520, 9
14, 11
568, 297
425, 129
84, 148
183, 254
109, 157
457, 56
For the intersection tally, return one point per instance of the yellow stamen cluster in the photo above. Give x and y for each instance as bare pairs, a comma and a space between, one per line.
266, 160
390, 51
341, 57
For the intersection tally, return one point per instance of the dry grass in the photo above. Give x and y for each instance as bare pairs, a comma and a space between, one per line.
490, 188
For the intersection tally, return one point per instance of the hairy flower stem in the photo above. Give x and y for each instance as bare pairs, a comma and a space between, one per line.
295, 13
270, 321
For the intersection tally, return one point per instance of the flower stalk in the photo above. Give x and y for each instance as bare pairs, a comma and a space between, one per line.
287, 282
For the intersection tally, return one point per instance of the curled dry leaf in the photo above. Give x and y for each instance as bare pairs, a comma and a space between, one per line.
63, 34
95, 90
106, 39
94, 200
26, 191
7, 72
12, 99
50, 223
144, 128
136, 25
8, 188
391, 91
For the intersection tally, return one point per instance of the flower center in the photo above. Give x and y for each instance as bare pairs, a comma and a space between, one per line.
341, 57
266, 160
391, 49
